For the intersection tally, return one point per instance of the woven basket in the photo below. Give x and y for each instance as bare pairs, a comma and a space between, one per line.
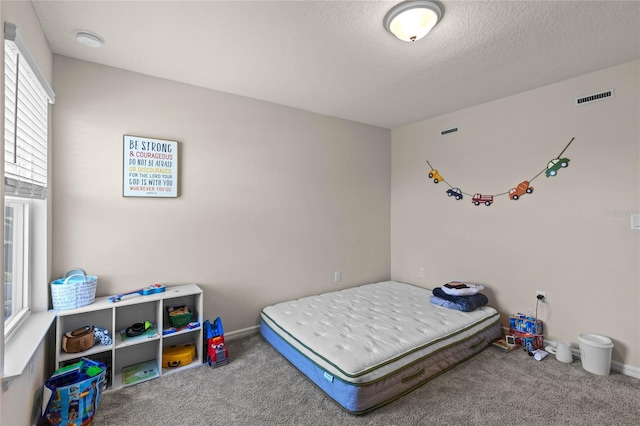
75, 290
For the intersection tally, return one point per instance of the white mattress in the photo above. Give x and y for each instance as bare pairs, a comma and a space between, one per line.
365, 333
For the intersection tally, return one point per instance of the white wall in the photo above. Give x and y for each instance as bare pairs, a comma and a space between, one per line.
273, 200
571, 237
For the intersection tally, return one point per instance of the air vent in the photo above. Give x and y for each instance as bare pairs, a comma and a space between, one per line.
595, 97
445, 132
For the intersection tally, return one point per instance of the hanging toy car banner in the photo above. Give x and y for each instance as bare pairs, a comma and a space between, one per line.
514, 193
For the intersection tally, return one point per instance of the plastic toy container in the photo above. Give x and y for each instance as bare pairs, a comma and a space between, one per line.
178, 356
72, 393
179, 316
595, 353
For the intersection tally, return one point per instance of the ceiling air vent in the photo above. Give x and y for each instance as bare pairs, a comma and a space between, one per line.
595, 97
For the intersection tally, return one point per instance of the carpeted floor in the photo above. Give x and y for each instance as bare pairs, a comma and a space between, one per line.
259, 387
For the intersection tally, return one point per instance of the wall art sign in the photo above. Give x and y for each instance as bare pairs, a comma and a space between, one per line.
150, 167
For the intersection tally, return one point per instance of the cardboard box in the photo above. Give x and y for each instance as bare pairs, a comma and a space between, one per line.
528, 340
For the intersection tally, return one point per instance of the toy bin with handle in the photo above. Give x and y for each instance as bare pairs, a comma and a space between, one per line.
72, 394
75, 290
178, 355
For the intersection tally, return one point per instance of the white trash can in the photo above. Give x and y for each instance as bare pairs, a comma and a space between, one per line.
595, 353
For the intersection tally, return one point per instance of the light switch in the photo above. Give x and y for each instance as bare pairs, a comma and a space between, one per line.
635, 222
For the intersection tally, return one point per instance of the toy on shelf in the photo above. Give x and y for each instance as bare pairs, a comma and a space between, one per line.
479, 198
555, 165
179, 316
217, 353
152, 289
102, 336
433, 174
78, 340
455, 192
190, 326
522, 188
178, 355
139, 330
140, 372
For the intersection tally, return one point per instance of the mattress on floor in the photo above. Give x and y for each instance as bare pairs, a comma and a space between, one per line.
368, 345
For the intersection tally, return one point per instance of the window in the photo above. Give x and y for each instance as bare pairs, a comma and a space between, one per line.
26, 115
16, 251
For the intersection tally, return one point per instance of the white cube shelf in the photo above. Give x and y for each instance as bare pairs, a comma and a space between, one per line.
116, 316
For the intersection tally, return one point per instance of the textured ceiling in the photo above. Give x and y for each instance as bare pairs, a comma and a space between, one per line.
335, 57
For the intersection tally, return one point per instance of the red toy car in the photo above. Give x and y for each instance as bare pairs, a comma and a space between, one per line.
479, 198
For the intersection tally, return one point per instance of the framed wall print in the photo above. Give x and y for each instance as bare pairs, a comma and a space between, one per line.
150, 167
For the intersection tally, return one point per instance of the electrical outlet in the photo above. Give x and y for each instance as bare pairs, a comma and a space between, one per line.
421, 272
337, 276
541, 296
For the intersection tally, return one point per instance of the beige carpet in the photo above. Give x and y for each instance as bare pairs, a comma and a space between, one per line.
259, 387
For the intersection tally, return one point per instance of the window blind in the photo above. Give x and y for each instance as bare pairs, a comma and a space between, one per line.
26, 121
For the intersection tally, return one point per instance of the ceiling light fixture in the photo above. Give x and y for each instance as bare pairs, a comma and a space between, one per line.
411, 20
89, 39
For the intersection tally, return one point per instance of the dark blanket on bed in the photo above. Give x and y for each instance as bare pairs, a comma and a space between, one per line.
460, 303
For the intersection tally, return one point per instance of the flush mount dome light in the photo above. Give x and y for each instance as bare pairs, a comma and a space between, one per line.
89, 39
412, 20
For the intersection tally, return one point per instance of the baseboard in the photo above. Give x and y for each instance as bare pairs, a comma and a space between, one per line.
242, 333
627, 370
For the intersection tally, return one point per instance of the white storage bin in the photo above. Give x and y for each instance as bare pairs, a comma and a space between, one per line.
595, 353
